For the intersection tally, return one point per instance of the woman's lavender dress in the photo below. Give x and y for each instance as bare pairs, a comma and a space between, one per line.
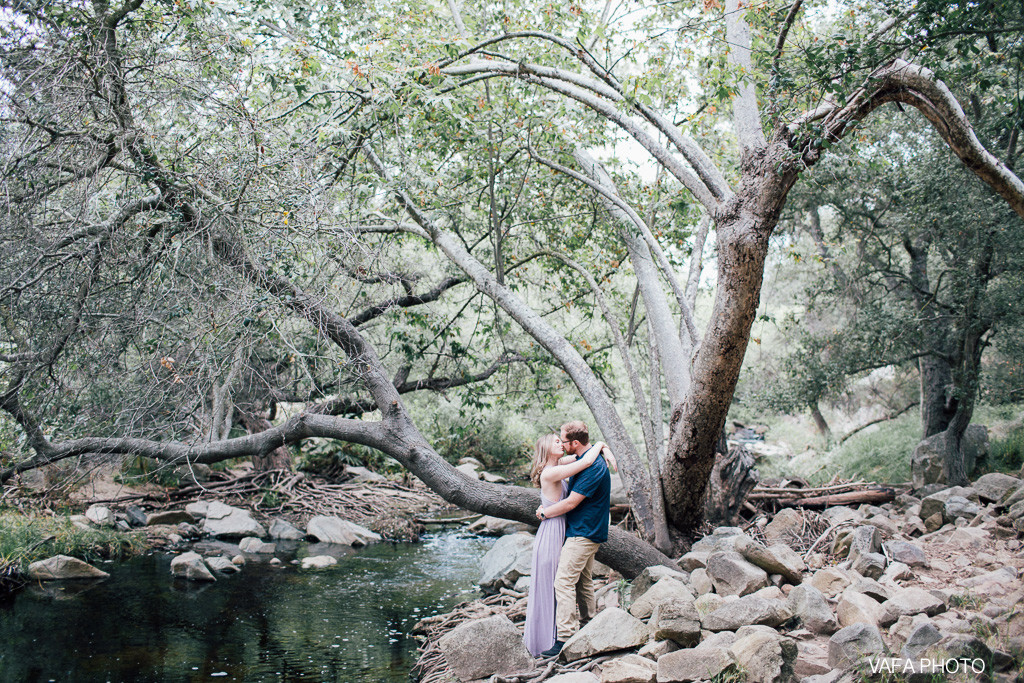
539, 633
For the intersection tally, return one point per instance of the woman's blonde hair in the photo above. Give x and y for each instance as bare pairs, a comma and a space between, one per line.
545, 444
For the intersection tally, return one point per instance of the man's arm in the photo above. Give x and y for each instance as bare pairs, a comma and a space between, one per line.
563, 506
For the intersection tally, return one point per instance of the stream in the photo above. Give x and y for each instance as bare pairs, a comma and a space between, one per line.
347, 623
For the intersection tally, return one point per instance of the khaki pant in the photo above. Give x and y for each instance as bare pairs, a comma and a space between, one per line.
574, 585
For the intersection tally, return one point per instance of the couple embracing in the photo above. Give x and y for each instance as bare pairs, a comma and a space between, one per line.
575, 488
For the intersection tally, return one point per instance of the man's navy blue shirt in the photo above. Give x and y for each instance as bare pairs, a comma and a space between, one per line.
590, 518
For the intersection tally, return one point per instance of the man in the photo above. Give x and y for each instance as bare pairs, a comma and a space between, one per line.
586, 510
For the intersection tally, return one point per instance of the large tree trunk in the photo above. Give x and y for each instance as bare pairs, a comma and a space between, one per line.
743, 234
820, 423
938, 404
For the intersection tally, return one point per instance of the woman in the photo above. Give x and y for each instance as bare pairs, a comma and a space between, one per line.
551, 476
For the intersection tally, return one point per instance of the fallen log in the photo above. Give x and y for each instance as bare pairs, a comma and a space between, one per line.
875, 496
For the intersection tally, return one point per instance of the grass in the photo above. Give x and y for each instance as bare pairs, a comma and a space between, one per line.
27, 538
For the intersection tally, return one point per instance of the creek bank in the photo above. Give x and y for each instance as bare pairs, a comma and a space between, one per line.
838, 596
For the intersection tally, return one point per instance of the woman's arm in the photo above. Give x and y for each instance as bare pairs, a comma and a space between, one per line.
608, 457
560, 472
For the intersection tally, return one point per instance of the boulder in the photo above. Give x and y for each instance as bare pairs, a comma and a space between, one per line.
784, 527
283, 530
492, 478
495, 526
575, 677
993, 486
668, 588
759, 556
956, 507
190, 566
809, 605
694, 560
198, 509
857, 608
629, 669
921, 638
698, 664
733, 575
485, 647
709, 602
870, 588
327, 529
871, 565
910, 601
864, 539
935, 502
510, 558
611, 630
362, 474
655, 649
676, 620
469, 460
224, 521
764, 655
906, 552
650, 576
896, 571
745, 611
830, 581
317, 562
719, 540
192, 473
222, 564
470, 470
135, 516
100, 515
251, 544
700, 581
840, 515
60, 567
926, 461
788, 557
848, 645
169, 517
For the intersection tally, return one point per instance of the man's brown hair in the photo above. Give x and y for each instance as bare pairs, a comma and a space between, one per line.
576, 431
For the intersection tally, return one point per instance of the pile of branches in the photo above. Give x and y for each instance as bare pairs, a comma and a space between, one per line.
796, 493
431, 666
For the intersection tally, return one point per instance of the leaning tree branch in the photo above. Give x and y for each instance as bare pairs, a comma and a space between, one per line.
406, 301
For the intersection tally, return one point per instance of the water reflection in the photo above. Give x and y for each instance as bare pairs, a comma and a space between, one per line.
350, 622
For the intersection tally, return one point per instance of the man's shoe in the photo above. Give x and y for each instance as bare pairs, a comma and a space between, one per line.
554, 650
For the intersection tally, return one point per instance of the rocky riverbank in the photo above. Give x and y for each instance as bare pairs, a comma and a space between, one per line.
928, 587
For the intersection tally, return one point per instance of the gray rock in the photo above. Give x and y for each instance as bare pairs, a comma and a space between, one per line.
896, 571
906, 552
993, 486
764, 655
251, 544
676, 620
60, 567
495, 526
830, 581
629, 669
327, 529
169, 517
668, 588
694, 560
848, 645
700, 581
935, 502
857, 608
745, 611
655, 649
864, 539
492, 478
611, 630
470, 470
956, 507
871, 565
198, 509
283, 530
317, 562
135, 516
190, 566
910, 601
575, 677
192, 474
510, 558
485, 647
709, 602
361, 474
809, 605
760, 556
650, 576
719, 540
840, 515
921, 638
926, 461
100, 515
698, 664
784, 527
222, 564
965, 646
224, 521
789, 557
731, 574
